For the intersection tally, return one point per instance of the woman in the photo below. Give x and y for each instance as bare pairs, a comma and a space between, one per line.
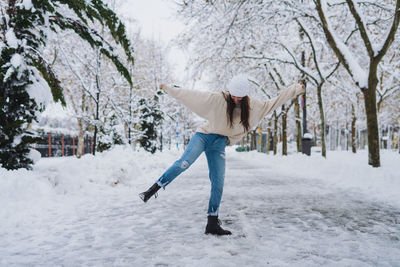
230, 115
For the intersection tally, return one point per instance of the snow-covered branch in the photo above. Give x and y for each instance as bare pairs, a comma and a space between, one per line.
361, 26
342, 51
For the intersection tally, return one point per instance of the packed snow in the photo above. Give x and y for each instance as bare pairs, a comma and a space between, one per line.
283, 211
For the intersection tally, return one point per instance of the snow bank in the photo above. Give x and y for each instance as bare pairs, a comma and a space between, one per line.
123, 167
59, 181
70, 175
120, 166
341, 169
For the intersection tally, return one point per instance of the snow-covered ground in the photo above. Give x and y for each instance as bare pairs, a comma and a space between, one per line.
283, 211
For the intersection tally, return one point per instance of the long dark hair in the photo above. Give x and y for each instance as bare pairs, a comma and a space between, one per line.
245, 113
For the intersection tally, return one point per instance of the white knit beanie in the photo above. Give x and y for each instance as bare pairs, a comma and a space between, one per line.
239, 85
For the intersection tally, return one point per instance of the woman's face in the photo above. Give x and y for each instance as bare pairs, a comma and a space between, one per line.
236, 99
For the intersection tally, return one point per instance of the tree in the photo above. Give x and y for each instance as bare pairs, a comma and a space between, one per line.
110, 133
92, 78
93, 84
25, 74
366, 80
151, 118
283, 114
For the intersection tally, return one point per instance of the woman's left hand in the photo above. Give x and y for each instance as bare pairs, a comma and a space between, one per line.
303, 88
163, 86
300, 88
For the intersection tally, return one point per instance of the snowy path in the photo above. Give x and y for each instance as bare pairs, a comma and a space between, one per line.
275, 220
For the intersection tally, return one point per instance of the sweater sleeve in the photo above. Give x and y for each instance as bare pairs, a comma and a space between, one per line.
287, 94
200, 102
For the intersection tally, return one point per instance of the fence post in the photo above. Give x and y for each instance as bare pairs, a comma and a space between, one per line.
49, 144
62, 145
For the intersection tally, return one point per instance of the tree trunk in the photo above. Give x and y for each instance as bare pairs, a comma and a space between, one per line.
353, 130
372, 118
81, 140
315, 134
346, 132
398, 139
298, 125
254, 140
275, 135
161, 142
284, 131
247, 142
97, 100
130, 107
96, 119
269, 134
322, 118
337, 136
81, 144
251, 141
328, 137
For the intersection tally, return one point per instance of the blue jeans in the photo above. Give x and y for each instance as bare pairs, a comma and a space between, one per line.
214, 147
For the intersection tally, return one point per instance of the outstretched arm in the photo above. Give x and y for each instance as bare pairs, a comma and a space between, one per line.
200, 102
287, 94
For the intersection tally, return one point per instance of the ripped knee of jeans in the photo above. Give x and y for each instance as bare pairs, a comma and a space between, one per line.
185, 164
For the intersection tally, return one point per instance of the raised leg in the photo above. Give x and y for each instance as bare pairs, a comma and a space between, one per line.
194, 149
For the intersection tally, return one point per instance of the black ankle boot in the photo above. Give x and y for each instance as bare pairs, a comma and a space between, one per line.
213, 227
150, 192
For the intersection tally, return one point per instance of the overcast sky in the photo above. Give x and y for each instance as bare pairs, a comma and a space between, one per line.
157, 21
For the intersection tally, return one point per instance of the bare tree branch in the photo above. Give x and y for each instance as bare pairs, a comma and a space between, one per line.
361, 27
392, 33
313, 50
330, 38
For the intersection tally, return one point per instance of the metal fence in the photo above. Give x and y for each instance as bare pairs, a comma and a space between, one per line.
59, 145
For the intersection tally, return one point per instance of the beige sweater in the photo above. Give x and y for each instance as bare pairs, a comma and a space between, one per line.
212, 107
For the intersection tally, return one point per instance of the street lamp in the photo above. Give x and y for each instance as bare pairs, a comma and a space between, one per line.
306, 141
